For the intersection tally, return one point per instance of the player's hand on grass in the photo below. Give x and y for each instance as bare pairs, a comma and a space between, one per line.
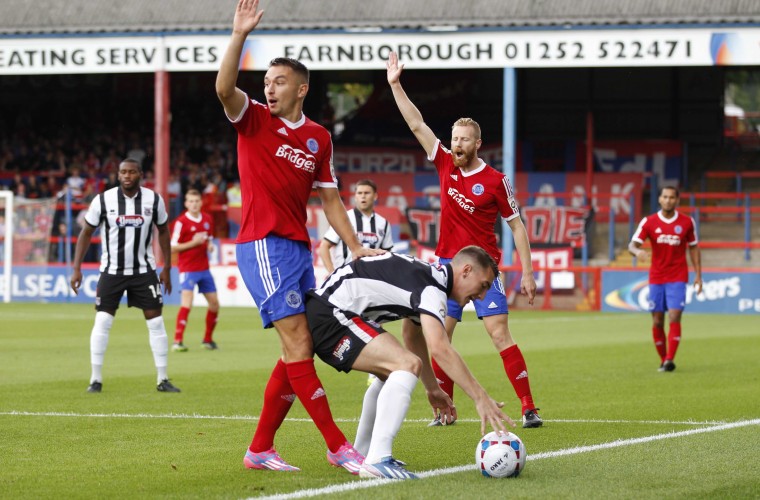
490, 413
443, 406
76, 280
247, 16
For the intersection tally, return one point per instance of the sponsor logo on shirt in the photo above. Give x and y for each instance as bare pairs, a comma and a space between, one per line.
669, 239
368, 238
342, 347
298, 158
129, 221
461, 200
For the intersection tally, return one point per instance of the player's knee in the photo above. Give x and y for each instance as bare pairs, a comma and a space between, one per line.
411, 363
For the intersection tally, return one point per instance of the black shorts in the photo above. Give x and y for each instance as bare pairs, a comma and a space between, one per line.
143, 291
339, 336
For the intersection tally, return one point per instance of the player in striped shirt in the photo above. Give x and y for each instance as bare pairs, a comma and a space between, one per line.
670, 234
472, 195
345, 316
126, 215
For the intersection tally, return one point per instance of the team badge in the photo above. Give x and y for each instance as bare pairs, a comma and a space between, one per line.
293, 299
313, 145
205, 226
478, 189
147, 211
678, 229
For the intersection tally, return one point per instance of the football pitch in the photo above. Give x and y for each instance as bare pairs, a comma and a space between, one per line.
614, 427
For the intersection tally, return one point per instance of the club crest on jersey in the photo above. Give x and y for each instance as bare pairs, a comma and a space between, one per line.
342, 347
478, 189
298, 158
129, 221
678, 229
147, 211
206, 226
293, 299
312, 144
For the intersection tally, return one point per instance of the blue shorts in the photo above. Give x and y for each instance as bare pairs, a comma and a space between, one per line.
667, 297
495, 301
203, 279
277, 272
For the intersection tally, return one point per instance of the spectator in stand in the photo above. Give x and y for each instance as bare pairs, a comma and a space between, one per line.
32, 187
671, 234
18, 185
75, 183
192, 241
111, 181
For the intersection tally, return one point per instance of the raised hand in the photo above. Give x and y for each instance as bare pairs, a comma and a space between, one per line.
247, 16
394, 69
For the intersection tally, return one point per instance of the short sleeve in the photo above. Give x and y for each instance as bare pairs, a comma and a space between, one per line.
92, 217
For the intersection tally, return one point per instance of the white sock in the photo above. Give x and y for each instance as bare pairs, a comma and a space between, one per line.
159, 344
392, 405
99, 343
367, 420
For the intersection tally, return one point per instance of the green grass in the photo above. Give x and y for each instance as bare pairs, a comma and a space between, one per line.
594, 376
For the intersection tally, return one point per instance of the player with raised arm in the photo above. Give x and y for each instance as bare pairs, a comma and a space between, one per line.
192, 240
282, 156
670, 234
345, 316
472, 194
126, 215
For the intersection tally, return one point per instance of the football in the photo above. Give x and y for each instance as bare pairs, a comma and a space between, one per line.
500, 455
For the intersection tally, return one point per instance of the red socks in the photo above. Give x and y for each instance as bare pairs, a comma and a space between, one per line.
674, 339
658, 334
179, 332
278, 398
306, 384
443, 380
517, 373
210, 325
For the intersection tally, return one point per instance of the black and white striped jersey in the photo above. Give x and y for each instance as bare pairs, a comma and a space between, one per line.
126, 229
373, 231
388, 287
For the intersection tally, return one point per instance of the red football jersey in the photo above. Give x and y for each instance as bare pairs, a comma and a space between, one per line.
469, 205
185, 228
669, 238
280, 162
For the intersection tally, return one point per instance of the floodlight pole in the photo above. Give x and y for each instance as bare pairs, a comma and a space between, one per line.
508, 156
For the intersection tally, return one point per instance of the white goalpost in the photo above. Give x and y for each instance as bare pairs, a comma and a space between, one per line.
6, 201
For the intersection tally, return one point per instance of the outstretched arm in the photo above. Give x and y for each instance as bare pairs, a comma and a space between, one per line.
247, 16
454, 366
409, 111
324, 253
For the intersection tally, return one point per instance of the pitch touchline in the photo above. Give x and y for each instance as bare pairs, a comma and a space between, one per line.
357, 485
342, 420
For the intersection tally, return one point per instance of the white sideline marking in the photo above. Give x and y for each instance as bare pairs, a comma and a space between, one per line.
341, 420
338, 488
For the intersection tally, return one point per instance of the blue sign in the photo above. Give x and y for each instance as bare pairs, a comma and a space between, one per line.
722, 292
51, 284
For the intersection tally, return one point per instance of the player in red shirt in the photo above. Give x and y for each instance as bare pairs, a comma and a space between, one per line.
191, 240
282, 155
472, 194
670, 234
